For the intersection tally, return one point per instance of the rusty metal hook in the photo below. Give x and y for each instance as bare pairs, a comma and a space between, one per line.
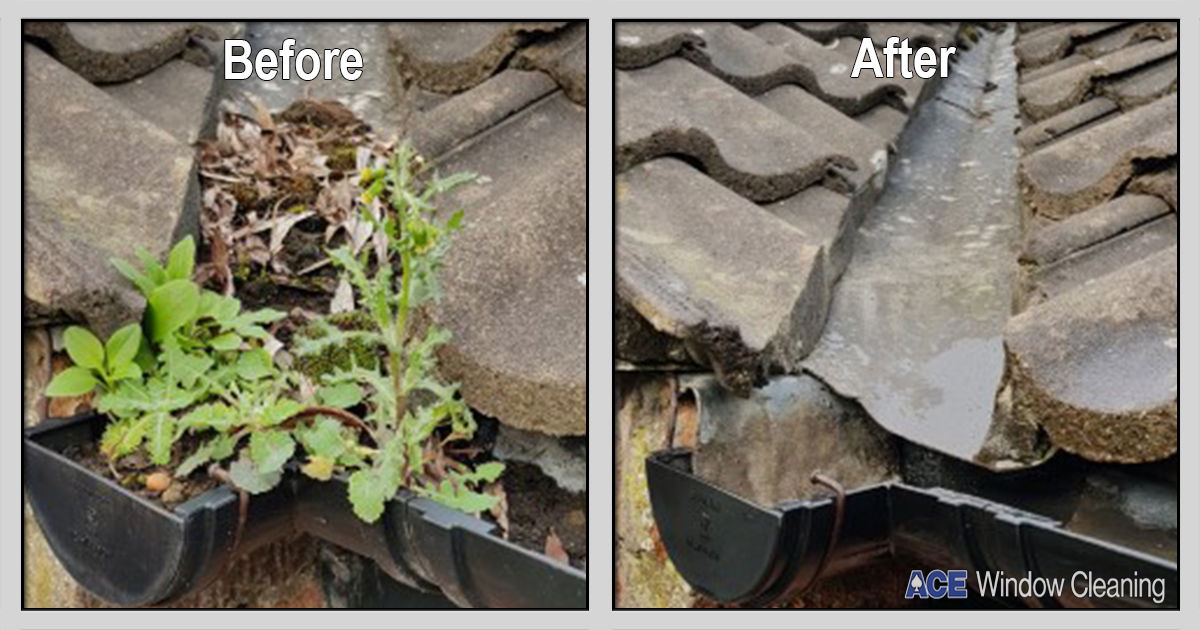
839, 513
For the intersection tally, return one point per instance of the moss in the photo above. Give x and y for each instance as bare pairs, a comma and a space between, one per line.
342, 157
340, 356
245, 194
302, 187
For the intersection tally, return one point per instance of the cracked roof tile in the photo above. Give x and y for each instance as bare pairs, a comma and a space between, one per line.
673, 107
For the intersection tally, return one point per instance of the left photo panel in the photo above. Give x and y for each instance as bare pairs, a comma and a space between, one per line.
304, 314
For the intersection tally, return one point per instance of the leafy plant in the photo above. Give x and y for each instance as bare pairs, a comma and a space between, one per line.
409, 439
197, 366
96, 364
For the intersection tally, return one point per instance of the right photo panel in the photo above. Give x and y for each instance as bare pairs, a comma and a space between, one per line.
896, 317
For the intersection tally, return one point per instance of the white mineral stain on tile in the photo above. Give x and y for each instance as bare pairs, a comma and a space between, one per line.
629, 40
582, 278
838, 68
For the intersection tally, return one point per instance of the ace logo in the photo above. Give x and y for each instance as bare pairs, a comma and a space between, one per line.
937, 584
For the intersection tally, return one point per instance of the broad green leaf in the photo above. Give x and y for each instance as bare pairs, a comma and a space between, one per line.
254, 364
455, 221
73, 381
139, 279
226, 342
318, 467
181, 260
271, 449
85, 349
343, 395
123, 437
367, 494
160, 435
279, 411
219, 307
246, 475
123, 346
183, 367
125, 371
323, 438
151, 266
145, 358
171, 306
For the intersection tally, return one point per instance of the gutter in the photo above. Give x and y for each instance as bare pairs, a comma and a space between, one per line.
734, 551
132, 551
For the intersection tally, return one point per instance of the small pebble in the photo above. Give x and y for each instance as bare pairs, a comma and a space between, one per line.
157, 482
173, 494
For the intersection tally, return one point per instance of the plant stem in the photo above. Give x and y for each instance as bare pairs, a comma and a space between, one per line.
397, 357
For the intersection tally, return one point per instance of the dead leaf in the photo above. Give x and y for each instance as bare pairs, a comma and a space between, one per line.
262, 114
272, 345
555, 549
282, 225
343, 298
499, 511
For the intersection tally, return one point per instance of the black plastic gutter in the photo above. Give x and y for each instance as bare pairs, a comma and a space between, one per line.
734, 551
131, 551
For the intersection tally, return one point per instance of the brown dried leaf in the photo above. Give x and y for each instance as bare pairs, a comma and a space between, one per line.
262, 114
499, 511
555, 549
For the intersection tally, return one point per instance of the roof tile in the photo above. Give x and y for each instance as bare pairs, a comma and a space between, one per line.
1087, 168
740, 286
1051, 44
674, 107
454, 56
1096, 367
1049, 95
